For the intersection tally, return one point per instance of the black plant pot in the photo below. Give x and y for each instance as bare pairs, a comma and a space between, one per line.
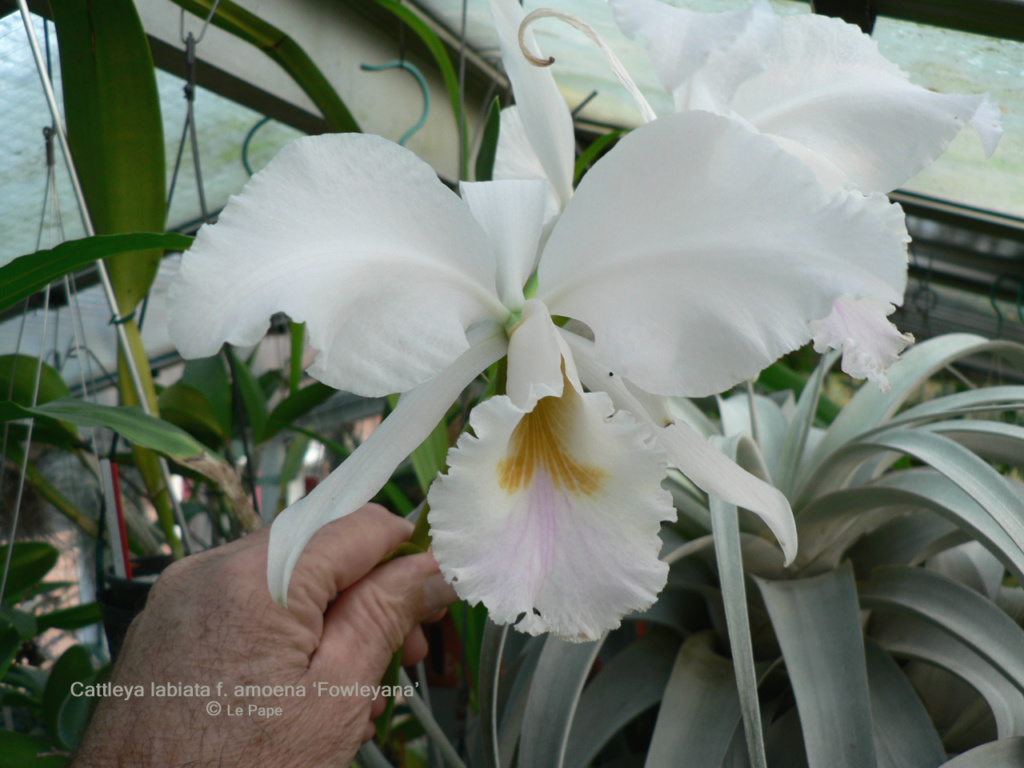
121, 600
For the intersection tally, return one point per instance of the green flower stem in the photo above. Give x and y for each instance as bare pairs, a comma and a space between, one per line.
146, 461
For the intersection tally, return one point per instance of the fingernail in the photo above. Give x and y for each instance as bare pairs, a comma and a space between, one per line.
437, 593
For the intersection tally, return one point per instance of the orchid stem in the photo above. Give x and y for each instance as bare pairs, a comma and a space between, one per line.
421, 533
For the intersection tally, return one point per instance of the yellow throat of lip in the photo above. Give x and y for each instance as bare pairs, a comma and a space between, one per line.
541, 440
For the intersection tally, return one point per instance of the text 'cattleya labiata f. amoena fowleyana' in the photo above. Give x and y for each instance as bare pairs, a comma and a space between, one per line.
701, 248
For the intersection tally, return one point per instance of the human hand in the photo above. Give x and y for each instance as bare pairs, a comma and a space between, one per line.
210, 620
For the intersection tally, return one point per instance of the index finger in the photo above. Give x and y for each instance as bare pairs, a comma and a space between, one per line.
338, 556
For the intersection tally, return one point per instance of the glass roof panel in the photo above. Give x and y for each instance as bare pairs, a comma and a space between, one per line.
940, 59
222, 126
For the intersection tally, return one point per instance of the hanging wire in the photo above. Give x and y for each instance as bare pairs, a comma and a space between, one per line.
413, 70
90, 230
34, 399
248, 138
995, 305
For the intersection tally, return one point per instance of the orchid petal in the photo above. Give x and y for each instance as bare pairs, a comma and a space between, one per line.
512, 215
539, 360
707, 467
363, 473
694, 201
682, 42
515, 159
545, 115
827, 87
551, 518
358, 238
870, 343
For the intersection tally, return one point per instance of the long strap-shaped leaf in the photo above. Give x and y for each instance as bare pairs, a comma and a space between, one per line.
870, 407
115, 131
904, 734
557, 683
972, 474
34, 271
282, 49
913, 638
832, 522
729, 554
800, 426
957, 609
817, 623
700, 709
633, 681
490, 669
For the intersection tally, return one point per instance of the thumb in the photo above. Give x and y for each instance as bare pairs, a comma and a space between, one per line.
369, 621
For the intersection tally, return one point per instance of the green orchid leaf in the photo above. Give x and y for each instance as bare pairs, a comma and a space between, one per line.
282, 49
904, 734
297, 332
150, 433
959, 610
471, 622
130, 422
112, 111
210, 376
44, 487
253, 398
489, 143
632, 682
817, 623
10, 644
23, 621
34, 271
294, 457
561, 672
430, 456
30, 562
444, 64
64, 713
909, 637
23, 751
75, 617
22, 369
295, 406
190, 409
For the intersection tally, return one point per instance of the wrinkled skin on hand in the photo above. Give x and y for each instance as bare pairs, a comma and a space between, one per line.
210, 619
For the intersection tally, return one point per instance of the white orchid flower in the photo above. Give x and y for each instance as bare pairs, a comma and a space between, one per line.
692, 255
820, 88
